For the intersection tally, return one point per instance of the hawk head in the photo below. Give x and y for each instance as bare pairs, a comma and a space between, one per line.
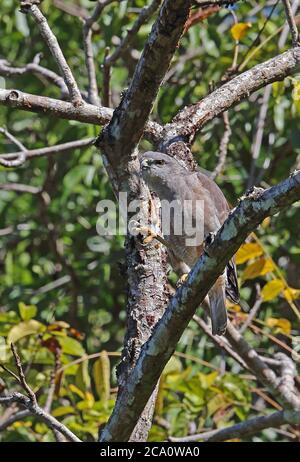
158, 169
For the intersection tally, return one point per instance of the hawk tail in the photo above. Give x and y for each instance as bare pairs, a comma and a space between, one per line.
217, 306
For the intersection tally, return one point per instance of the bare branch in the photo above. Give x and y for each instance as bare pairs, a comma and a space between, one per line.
22, 377
221, 342
18, 187
86, 113
223, 146
6, 69
157, 351
50, 150
193, 118
20, 415
89, 53
36, 410
51, 41
291, 22
20, 158
243, 429
143, 17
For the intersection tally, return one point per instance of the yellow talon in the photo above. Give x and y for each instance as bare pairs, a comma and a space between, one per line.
182, 280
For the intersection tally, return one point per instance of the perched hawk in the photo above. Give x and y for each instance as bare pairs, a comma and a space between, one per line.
172, 182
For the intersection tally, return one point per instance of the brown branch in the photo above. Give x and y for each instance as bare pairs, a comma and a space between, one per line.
51, 150
18, 187
8, 70
291, 22
86, 113
20, 158
21, 375
89, 53
193, 118
243, 429
223, 146
37, 411
53, 45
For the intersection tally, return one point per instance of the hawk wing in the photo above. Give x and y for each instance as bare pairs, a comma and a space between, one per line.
222, 209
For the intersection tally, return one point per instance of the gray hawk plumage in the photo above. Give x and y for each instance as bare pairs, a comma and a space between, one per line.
172, 182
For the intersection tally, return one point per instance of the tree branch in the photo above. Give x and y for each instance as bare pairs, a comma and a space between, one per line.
243, 429
291, 22
86, 113
50, 150
53, 45
36, 410
157, 351
89, 53
7, 70
193, 118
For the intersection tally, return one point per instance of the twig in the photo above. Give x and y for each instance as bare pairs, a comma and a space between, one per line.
18, 187
51, 150
291, 22
221, 342
6, 69
243, 429
53, 45
223, 146
286, 29
21, 157
19, 415
52, 384
258, 137
253, 312
36, 410
22, 377
89, 53
109, 60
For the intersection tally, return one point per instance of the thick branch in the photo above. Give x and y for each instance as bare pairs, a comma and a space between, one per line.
157, 351
86, 113
193, 118
129, 119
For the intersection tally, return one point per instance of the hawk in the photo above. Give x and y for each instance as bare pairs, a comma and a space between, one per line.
172, 182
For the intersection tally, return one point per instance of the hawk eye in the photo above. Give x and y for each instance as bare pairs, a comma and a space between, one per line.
160, 162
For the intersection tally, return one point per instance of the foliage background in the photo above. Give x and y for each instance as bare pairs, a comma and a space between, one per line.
42, 246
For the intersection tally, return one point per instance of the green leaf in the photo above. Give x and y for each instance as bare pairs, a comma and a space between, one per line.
71, 346
27, 312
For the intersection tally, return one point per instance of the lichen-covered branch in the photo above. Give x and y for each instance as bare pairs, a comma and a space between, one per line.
86, 113
193, 118
251, 211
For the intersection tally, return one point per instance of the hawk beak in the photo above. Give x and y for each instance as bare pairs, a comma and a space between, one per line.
145, 164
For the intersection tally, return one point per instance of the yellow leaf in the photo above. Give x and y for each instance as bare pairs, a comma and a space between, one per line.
248, 251
76, 390
260, 267
291, 294
272, 289
282, 324
296, 95
239, 30
23, 329
101, 374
